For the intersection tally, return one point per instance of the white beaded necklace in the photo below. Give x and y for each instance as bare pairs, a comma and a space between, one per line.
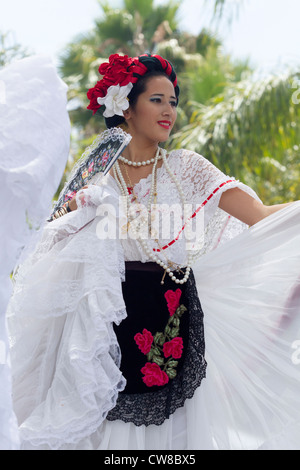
161, 153
138, 164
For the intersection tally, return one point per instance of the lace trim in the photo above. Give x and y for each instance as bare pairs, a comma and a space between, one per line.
203, 185
96, 159
156, 407
69, 376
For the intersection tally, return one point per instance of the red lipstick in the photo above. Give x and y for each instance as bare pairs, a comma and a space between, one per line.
165, 124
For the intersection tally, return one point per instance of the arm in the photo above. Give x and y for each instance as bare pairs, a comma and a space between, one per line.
245, 208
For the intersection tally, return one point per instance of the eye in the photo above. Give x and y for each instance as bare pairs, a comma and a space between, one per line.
173, 103
156, 100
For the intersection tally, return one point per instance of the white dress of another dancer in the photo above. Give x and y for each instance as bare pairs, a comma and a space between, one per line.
34, 148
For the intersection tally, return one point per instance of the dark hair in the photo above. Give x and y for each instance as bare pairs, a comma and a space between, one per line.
139, 88
156, 67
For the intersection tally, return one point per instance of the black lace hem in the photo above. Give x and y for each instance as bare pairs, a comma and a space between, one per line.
155, 407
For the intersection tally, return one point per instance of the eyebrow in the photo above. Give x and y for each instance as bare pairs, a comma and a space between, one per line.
161, 94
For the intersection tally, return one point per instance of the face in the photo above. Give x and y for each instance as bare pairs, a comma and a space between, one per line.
154, 113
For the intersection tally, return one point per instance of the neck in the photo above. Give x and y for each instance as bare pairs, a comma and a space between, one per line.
137, 152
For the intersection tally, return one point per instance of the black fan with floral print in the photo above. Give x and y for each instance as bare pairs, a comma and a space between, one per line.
98, 158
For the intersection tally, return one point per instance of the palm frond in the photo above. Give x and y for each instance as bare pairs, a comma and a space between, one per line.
251, 131
224, 8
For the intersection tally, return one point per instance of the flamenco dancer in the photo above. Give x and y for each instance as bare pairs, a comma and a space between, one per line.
129, 336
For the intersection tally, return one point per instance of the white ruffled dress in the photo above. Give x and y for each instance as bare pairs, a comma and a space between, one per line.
34, 148
65, 355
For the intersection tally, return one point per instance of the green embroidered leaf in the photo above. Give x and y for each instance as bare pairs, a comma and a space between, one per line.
172, 364
174, 321
158, 360
180, 310
159, 339
150, 355
171, 373
168, 330
156, 351
174, 332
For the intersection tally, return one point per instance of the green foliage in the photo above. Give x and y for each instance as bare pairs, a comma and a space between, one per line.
10, 50
129, 30
163, 13
224, 9
205, 41
117, 25
251, 131
248, 127
212, 76
143, 7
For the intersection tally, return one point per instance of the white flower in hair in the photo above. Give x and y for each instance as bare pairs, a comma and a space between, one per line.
116, 100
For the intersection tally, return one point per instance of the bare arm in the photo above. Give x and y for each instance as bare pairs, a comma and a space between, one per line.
245, 208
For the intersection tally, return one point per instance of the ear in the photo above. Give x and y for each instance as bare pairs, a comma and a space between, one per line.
127, 114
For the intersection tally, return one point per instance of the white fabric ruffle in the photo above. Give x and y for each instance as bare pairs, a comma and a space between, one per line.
64, 350
34, 147
250, 294
66, 357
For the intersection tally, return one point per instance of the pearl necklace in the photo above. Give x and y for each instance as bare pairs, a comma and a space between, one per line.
122, 184
138, 164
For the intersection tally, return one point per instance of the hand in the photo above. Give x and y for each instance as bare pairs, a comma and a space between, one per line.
73, 203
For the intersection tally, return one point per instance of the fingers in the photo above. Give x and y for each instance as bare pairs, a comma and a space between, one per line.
73, 203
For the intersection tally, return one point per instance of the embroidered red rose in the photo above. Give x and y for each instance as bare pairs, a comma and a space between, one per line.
154, 375
144, 341
173, 299
173, 348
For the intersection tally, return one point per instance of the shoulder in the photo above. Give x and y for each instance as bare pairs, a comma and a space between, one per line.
189, 159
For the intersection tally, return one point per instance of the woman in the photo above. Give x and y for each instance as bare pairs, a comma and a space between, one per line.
109, 341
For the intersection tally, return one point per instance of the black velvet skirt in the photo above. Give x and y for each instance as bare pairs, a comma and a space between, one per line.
162, 345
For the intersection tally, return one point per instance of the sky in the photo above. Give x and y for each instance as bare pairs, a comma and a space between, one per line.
264, 31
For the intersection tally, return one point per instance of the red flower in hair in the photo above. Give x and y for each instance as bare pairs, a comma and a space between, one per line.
120, 70
116, 72
98, 91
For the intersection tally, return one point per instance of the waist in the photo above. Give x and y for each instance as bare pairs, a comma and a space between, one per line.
139, 266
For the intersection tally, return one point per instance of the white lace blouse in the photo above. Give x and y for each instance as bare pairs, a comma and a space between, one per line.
202, 184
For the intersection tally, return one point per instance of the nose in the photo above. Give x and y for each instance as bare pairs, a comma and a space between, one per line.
168, 109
